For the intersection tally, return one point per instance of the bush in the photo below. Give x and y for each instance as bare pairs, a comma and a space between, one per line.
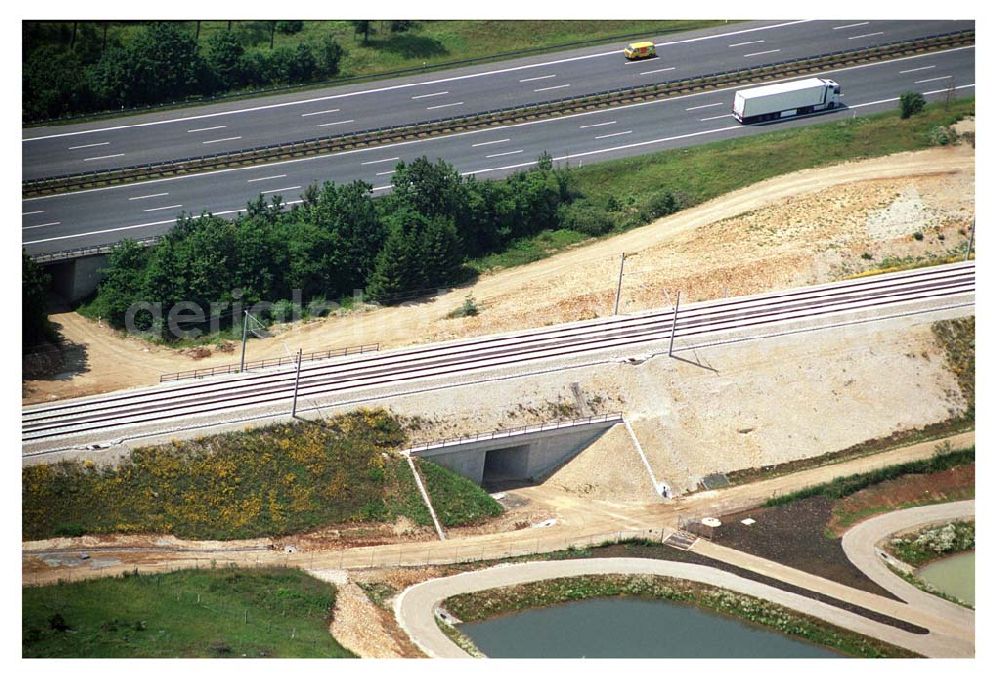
467, 309
661, 204
918, 236
943, 136
585, 218
289, 27
910, 103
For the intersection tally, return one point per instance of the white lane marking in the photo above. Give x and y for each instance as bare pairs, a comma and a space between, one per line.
866, 35
446, 105
279, 190
480, 131
331, 124
37, 211
205, 129
896, 98
160, 209
267, 178
707, 105
427, 96
391, 171
89, 145
321, 112
769, 51
600, 124
489, 143
616, 52
658, 70
375, 162
102, 157
54, 223
748, 42
717, 117
545, 89
146, 197
540, 77
513, 152
914, 70
943, 77
608, 136
863, 23
228, 138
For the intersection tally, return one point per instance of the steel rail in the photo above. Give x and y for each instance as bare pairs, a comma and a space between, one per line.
517, 354
480, 343
352, 370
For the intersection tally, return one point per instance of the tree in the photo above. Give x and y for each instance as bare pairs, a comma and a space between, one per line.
910, 103
364, 27
440, 251
225, 53
349, 213
398, 267
123, 281
432, 189
329, 54
34, 290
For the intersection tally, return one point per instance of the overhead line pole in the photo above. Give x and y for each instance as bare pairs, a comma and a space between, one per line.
298, 372
243, 351
621, 273
673, 325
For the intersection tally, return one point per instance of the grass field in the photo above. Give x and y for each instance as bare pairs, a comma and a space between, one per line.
267, 481
186, 614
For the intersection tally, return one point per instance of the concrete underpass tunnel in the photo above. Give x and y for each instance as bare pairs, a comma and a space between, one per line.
507, 468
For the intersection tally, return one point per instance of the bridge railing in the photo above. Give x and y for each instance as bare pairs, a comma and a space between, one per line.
511, 432
272, 362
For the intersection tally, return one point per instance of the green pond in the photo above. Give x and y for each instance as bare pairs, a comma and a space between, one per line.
622, 627
954, 575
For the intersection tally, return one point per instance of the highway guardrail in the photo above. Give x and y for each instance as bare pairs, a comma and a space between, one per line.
492, 118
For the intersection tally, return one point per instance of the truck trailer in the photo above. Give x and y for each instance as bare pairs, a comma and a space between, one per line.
785, 100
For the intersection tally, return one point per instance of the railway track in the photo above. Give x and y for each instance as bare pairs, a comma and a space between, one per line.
180, 403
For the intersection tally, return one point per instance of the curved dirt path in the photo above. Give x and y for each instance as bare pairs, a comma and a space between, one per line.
861, 546
535, 294
415, 606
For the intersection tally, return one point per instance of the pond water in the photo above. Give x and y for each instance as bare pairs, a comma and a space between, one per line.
622, 627
954, 575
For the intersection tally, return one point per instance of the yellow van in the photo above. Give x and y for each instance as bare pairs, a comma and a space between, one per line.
640, 50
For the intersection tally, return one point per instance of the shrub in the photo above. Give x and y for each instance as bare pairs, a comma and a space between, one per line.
585, 218
289, 27
662, 203
910, 103
943, 136
918, 236
467, 309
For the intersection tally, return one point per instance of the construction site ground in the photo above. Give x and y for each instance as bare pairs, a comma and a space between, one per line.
808, 227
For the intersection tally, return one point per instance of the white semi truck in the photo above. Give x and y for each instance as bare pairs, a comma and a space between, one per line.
785, 100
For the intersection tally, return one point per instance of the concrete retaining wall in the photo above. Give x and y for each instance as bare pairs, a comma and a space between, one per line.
526, 456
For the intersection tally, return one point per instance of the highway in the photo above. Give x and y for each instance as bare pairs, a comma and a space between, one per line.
267, 394
238, 125
106, 215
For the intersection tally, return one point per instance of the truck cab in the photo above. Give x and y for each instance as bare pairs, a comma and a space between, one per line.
640, 50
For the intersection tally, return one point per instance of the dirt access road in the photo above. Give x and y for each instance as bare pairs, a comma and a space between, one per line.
807, 227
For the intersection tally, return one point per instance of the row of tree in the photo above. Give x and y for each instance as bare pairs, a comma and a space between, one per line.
162, 62
338, 240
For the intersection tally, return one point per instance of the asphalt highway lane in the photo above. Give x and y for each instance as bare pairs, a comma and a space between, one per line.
101, 216
112, 143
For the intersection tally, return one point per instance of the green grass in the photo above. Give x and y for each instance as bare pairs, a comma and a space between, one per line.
194, 613
529, 249
456, 499
845, 486
701, 173
266, 481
